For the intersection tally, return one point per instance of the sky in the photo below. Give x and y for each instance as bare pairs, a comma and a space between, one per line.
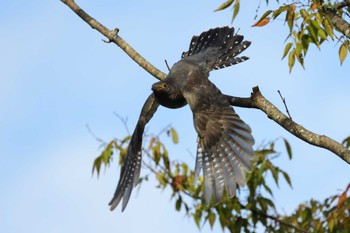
57, 77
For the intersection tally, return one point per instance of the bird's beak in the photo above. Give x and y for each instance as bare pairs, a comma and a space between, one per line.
157, 86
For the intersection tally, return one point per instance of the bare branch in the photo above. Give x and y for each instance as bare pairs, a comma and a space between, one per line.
258, 101
113, 36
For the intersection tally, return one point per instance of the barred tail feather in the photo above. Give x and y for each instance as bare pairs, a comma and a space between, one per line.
217, 48
130, 172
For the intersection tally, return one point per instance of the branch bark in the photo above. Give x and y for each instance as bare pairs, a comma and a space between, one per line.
257, 100
113, 36
339, 23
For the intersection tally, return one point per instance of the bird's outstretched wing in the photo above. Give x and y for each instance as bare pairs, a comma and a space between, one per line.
216, 48
224, 140
130, 171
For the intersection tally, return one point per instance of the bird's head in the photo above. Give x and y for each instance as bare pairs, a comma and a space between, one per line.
160, 87
168, 95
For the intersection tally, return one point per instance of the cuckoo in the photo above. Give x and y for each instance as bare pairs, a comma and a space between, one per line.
224, 143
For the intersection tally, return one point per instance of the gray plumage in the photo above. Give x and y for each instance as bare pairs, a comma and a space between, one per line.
224, 141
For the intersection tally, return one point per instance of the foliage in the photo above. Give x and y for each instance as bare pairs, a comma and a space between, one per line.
253, 205
309, 22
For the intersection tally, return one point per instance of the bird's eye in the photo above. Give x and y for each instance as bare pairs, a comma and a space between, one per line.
164, 85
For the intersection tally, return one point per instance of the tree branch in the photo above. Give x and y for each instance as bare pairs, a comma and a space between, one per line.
258, 101
339, 23
113, 36
342, 4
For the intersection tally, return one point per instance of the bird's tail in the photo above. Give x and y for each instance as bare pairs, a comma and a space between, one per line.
217, 48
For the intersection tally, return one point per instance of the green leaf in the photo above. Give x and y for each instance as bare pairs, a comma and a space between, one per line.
315, 24
288, 147
331, 224
104, 158
304, 14
174, 136
290, 18
198, 215
277, 12
346, 142
211, 219
267, 13
235, 10
126, 139
178, 204
224, 5
165, 157
313, 33
286, 49
328, 27
343, 51
156, 153
322, 34
287, 178
274, 172
268, 189
291, 60
268, 202
106, 154
305, 42
97, 166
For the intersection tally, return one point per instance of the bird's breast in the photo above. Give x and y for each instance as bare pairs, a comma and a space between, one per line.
169, 101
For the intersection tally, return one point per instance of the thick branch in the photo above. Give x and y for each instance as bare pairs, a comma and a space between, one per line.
257, 100
113, 36
342, 4
339, 23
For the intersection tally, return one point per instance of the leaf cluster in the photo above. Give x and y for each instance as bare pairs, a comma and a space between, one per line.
309, 22
253, 205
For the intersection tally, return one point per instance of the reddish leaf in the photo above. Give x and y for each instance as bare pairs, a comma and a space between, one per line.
261, 23
342, 197
313, 6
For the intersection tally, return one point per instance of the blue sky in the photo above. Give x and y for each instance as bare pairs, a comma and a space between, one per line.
57, 76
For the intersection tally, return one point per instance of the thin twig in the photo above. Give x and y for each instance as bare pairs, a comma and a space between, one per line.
124, 120
167, 65
278, 220
285, 104
94, 135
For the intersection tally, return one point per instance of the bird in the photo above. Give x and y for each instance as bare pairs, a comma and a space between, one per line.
224, 142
